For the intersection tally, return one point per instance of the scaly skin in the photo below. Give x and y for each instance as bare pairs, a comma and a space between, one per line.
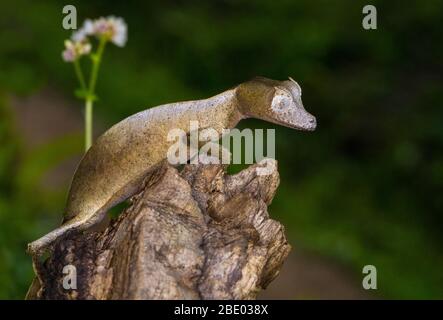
114, 167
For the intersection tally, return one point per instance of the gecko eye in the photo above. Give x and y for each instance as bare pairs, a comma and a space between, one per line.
281, 100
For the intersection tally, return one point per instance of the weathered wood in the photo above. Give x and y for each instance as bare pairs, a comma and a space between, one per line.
194, 234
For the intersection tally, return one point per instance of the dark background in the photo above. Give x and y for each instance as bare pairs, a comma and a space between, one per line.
364, 188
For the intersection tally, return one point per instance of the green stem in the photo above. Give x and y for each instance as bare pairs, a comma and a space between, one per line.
88, 124
96, 59
79, 73
96, 65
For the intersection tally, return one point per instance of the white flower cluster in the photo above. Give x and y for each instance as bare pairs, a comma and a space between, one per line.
111, 28
75, 49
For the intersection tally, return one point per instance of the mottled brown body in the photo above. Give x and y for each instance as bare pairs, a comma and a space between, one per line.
113, 168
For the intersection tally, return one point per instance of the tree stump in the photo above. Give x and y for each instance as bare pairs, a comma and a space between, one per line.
194, 234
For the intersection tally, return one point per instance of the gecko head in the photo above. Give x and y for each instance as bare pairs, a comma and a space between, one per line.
275, 101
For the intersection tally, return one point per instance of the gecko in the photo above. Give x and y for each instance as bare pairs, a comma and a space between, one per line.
113, 169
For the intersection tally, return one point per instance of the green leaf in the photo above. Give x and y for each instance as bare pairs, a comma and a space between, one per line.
92, 97
85, 95
81, 93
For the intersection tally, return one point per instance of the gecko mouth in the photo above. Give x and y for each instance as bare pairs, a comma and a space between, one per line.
304, 128
310, 126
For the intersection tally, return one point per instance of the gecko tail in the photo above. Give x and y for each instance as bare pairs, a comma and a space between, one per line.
38, 247
41, 245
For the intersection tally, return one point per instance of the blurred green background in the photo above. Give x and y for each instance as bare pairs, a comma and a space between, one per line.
365, 188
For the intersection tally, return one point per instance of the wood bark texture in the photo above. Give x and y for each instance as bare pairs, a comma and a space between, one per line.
197, 233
